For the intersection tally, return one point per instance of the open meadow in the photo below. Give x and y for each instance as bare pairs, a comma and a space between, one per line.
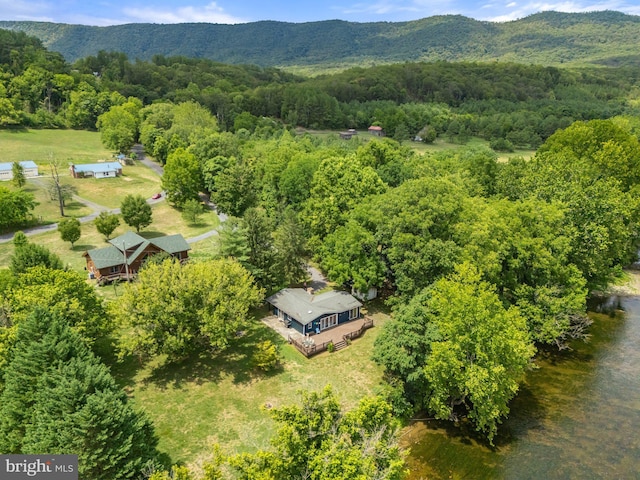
222, 398
440, 145
83, 147
43, 146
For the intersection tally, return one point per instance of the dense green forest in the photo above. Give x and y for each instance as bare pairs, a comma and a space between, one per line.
510, 104
549, 38
481, 262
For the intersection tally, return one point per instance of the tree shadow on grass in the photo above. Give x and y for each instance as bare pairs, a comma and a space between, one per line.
78, 247
123, 370
204, 365
151, 234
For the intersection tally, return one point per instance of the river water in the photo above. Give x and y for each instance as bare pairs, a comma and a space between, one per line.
576, 417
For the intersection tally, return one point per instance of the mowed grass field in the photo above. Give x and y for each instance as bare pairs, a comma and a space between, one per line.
72, 146
439, 145
166, 221
211, 397
43, 146
222, 398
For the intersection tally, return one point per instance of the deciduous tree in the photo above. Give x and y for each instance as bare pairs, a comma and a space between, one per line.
317, 440
18, 179
192, 210
136, 212
70, 230
473, 352
15, 207
182, 178
106, 223
176, 309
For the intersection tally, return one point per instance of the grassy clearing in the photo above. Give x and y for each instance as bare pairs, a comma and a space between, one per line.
136, 179
43, 145
47, 210
221, 398
166, 221
440, 145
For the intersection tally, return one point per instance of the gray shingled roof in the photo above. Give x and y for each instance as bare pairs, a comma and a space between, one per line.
113, 255
304, 307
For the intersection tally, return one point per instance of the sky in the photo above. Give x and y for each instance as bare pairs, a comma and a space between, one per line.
107, 12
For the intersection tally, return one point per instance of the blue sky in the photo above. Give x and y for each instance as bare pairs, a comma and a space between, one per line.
107, 12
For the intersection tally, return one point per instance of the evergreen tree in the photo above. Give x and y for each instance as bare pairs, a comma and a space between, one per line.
59, 398
27, 255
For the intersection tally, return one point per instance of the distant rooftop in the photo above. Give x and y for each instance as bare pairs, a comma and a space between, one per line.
98, 167
24, 164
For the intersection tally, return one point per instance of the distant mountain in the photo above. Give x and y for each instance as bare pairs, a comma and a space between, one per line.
550, 38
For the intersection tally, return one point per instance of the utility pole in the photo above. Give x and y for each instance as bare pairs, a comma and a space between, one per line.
126, 264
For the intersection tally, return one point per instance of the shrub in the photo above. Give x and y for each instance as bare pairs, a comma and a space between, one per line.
266, 356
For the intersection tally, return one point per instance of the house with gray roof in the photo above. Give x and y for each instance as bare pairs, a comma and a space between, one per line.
308, 313
127, 253
29, 168
96, 170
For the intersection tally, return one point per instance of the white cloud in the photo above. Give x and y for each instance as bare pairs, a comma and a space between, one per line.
210, 13
568, 6
423, 8
25, 10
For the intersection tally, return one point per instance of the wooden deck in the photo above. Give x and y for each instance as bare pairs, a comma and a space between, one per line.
334, 338
337, 333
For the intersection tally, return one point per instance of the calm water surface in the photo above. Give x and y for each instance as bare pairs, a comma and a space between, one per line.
577, 416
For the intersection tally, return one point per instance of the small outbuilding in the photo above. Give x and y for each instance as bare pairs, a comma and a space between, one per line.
96, 170
29, 168
376, 130
308, 313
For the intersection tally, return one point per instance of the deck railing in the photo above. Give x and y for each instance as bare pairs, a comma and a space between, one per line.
312, 349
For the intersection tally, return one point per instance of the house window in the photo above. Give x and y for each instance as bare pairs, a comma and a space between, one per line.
354, 313
328, 322
114, 269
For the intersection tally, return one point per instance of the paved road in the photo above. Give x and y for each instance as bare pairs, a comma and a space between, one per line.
318, 281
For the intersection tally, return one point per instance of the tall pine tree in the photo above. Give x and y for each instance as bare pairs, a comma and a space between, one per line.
59, 398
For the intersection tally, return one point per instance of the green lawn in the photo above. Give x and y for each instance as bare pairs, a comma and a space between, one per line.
166, 221
41, 146
83, 147
441, 145
136, 179
47, 210
219, 398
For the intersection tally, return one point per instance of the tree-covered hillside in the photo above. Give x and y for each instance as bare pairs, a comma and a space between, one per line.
550, 38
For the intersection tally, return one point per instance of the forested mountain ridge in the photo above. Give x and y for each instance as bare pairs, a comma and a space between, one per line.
550, 38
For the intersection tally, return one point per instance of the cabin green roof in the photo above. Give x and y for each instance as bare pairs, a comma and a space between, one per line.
134, 245
106, 257
171, 243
